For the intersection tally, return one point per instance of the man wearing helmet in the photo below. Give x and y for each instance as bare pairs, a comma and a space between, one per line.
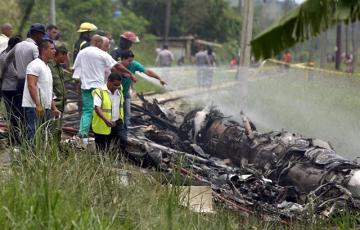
126, 40
85, 31
123, 52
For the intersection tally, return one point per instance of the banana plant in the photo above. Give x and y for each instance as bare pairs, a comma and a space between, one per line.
303, 22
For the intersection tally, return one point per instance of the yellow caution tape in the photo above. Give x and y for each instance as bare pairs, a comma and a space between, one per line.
308, 66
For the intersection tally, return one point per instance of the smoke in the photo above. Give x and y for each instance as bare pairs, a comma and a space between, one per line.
314, 104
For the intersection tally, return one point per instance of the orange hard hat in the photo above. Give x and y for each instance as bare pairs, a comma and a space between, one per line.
130, 36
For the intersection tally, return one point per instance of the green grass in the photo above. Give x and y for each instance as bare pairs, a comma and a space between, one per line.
50, 188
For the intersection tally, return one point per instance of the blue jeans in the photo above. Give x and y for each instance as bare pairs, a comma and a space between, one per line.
127, 111
87, 112
32, 122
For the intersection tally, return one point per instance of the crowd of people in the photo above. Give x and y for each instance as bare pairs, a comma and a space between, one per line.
34, 72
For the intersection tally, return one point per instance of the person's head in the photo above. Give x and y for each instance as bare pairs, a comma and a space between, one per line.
7, 29
127, 39
165, 47
61, 54
13, 41
105, 44
86, 30
127, 56
114, 81
53, 32
97, 41
37, 32
108, 34
46, 49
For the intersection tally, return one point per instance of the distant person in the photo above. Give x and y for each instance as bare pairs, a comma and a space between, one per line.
86, 29
211, 65
90, 67
108, 115
53, 32
349, 61
202, 63
164, 57
287, 58
24, 53
163, 60
6, 32
233, 62
9, 91
38, 102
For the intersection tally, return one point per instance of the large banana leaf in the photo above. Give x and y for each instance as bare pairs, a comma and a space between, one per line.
307, 20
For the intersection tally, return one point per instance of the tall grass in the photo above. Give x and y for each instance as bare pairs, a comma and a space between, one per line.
49, 188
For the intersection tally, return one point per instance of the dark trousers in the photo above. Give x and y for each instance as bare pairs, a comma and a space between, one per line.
116, 140
15, 113
32, 122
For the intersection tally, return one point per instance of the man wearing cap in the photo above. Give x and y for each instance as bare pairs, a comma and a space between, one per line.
126, 40
24, 53
84, 39
59, 75
124, 52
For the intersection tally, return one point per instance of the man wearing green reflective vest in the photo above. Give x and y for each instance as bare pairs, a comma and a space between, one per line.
108, 115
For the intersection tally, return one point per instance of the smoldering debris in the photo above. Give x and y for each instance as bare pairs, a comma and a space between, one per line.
277, 175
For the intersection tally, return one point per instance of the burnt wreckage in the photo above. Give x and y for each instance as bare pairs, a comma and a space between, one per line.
277, 174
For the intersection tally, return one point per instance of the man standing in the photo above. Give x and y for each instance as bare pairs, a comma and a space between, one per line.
108, 116
6, 32
38, 91
90, 67
85, 31
9, 91
59, 76
127, 60
202, 63
23, 53
164, 57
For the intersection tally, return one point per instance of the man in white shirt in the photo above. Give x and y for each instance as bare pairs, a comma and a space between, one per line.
6, 32
90, 67
108, 119
38, 100
164, 57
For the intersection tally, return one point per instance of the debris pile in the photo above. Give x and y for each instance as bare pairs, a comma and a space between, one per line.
278, 175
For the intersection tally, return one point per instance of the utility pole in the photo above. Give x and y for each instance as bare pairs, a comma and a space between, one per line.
323, 45
52, 13
167, 21
338, 46
246, 33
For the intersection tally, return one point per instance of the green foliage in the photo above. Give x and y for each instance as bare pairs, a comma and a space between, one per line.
308, 19
70, 14
210, 19
9, 16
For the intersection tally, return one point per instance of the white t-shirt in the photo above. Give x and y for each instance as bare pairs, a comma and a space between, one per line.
44, 84
91, 65
115, 103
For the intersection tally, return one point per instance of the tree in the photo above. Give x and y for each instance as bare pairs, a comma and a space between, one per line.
308, 19
210, 19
